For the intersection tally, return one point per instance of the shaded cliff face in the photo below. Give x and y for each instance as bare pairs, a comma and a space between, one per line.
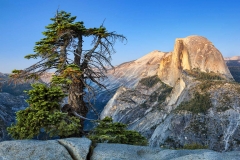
189, 53
233, 64
128, 75
193, 101
12, 99
9, 104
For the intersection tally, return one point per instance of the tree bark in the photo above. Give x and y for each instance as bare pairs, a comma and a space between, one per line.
75, 99
76, 90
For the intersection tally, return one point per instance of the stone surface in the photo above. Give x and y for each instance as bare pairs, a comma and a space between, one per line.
109, 151
33, 150
77, 147
128, 152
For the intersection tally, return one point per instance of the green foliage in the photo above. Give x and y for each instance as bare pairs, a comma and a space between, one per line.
194, 146
59, 35
206, 84
109, 132
204, 76
199, 104
159, 95
43, 113
70, 74
150, 81
166, 90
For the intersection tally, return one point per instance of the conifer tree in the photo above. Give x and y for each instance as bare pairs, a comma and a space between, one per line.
64, 37
44, 112
109, 132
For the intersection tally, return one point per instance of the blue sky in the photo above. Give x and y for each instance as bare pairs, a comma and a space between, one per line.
148, 25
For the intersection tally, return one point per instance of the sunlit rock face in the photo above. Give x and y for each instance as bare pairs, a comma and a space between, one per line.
189, 53
129, 73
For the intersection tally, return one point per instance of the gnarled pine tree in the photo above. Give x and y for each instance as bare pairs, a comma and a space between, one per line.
64, 37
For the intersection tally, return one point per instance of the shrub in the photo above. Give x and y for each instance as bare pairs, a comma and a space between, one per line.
109, 132
150, 81
204, 76
194, 146
199, 104
44, 112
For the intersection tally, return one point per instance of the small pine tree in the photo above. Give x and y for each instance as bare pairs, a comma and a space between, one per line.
109, 132
44, 112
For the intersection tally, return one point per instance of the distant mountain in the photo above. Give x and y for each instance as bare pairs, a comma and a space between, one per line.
234, 58
12, 99
191, 99
233, 64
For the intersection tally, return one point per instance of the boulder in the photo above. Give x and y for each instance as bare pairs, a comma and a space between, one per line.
33, 150
78, 148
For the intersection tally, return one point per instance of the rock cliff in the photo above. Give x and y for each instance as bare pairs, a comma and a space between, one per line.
192, 99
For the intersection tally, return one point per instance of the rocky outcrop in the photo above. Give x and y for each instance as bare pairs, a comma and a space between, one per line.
195, 100
79, 149
189, 53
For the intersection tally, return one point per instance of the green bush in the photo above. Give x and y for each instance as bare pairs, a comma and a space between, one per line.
150, 81
199, 104
44, 112
204, 76
109, 132
194, 146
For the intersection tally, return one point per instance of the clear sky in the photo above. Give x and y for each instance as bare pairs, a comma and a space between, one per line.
148, 25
